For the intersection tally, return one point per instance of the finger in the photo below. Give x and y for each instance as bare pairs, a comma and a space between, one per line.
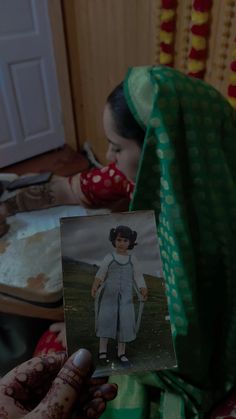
67, 386
106, 391
95, 408
98, 381
99, 395
92, 385
23, 380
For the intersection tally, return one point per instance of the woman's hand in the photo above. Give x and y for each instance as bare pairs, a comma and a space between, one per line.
144, 292
51, 387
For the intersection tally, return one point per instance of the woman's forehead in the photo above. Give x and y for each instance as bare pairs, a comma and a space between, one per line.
111, 134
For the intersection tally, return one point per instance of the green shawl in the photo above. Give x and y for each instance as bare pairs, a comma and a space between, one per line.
187, 174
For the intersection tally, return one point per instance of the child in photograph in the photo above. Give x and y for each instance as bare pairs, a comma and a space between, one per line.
173, 139
118, 277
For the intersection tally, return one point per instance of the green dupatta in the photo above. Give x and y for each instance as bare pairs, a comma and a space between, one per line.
187, 174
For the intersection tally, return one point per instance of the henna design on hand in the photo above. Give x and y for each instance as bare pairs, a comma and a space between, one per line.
72, 377
36, 197
30, 198
31, 382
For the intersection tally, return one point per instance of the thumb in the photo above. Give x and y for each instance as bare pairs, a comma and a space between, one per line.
66, 388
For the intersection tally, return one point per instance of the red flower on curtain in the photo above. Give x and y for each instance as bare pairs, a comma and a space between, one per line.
232, 78
168, 13
199, 35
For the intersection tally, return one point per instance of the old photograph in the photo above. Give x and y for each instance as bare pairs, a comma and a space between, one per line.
114, 292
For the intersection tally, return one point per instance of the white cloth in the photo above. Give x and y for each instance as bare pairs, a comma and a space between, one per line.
30, 260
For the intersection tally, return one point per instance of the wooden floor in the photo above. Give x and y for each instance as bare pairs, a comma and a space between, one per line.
63, 162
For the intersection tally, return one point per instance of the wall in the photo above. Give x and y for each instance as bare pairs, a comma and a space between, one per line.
105, 37
58, 36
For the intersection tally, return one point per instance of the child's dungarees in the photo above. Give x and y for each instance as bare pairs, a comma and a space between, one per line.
116, 315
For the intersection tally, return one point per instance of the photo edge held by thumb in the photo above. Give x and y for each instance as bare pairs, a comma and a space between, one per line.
77, 369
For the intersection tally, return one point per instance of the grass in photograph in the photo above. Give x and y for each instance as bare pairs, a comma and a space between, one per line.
153, 347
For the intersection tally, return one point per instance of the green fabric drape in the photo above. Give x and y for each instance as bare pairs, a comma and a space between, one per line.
187, 175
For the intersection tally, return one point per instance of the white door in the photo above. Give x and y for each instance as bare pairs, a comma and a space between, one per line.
30, 112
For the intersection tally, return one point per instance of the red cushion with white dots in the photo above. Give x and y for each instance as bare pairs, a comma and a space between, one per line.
101, 186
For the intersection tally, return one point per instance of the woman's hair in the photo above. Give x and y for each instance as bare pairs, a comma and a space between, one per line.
125, 124
124, 232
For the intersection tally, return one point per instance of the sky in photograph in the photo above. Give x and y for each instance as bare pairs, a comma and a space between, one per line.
86, 238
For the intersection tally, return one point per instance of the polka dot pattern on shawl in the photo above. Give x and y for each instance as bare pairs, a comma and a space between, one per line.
185, 177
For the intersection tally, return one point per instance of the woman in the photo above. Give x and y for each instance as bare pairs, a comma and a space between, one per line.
187, 174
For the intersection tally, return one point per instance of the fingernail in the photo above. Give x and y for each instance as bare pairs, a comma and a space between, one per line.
82, 359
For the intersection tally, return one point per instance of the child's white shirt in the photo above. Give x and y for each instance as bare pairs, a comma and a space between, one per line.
122, 259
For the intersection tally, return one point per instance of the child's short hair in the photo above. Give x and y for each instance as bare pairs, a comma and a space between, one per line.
124, 232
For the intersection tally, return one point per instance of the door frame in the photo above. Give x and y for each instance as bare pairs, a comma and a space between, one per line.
55, 13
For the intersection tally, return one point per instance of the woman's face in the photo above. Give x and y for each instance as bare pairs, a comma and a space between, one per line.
125, 153
121, 244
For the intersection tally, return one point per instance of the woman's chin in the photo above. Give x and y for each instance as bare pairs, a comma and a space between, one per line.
130, 176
